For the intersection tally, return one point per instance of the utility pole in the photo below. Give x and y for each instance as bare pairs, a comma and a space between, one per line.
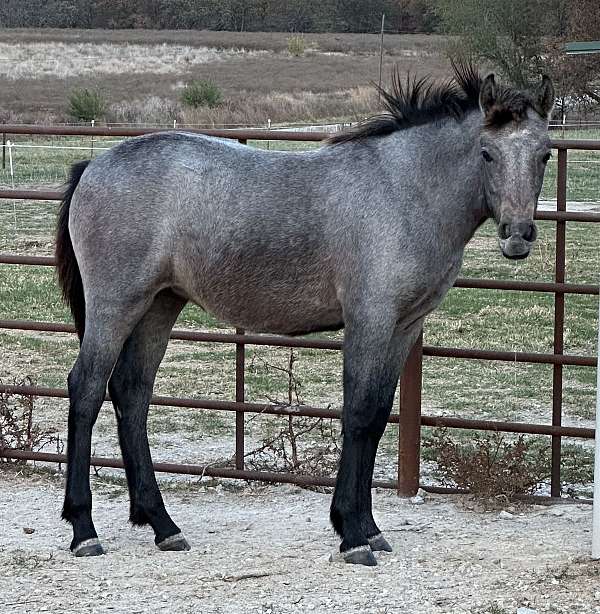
381, 55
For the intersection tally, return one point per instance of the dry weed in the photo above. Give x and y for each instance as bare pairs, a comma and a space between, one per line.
18, 430
300, 444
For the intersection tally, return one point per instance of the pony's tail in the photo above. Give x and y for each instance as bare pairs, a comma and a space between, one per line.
67, 268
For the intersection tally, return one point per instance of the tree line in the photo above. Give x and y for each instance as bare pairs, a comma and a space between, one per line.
233, 15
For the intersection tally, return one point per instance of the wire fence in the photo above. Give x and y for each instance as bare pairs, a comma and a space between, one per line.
28, 161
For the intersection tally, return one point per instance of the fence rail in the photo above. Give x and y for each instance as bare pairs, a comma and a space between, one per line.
324, 344
409, 418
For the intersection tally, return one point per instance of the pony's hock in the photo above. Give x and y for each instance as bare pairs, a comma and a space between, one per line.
370, 236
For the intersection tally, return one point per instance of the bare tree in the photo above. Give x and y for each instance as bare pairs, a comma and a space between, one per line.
524, 39
508, 34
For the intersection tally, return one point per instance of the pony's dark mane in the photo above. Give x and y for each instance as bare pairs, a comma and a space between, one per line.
422, 101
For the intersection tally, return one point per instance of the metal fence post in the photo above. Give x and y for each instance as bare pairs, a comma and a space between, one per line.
409, 425
240, 381
559, 321
4, 151
240, 397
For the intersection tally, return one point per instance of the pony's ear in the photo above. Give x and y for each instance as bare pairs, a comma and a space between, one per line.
487, 94
544, 97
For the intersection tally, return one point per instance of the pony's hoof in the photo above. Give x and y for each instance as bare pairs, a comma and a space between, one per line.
89, 547
379, 543
361, 555
176, 542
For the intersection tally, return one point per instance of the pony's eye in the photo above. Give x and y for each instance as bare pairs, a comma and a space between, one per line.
486, 155
546, 157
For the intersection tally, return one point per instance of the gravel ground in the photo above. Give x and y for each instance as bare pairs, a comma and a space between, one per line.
266, 549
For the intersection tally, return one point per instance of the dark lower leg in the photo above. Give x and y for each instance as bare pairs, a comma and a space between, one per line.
131, 390
146, 502
376, 540
375, 348
366, 504
352, 489
87, 386
386, 398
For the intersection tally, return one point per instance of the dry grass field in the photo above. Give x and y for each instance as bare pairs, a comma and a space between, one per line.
141, 73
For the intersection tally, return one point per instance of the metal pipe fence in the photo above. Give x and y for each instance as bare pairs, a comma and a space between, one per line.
408, 418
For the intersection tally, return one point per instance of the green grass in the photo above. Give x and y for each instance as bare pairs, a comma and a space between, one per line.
514, 321
583, 175
163, 420
44, 163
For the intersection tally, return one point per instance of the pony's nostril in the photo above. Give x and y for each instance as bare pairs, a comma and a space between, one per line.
525, 230
531, 233
504, 231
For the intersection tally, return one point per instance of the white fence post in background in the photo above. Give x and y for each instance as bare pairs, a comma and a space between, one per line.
596, 512
92, 148
10, 161
12, 179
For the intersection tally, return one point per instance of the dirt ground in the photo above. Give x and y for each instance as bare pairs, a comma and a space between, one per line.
266, 549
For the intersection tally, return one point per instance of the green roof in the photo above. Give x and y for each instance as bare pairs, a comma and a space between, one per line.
580, 48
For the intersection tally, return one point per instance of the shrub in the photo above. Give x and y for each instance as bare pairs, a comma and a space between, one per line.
149, 110
491, 465
86, 105
296, 45
201, 94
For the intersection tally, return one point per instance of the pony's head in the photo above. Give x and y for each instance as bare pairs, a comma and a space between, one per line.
515, 148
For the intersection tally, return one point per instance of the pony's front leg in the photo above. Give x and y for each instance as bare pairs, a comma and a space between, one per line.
374, 353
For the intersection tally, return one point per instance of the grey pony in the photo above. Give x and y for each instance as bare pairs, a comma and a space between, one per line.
365, 233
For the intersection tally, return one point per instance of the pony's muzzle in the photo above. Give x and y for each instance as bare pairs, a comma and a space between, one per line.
516, 239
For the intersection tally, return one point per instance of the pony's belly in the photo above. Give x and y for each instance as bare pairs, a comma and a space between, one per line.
298, 319
273, 313
281, 293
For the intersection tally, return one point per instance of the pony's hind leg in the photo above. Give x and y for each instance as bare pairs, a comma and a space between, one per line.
130, 388
100, 347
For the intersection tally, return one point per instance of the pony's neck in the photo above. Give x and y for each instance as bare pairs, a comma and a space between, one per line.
455, 151
465, 151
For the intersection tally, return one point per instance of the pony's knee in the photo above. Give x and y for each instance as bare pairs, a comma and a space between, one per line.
365, 422
76, 382
363, 428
